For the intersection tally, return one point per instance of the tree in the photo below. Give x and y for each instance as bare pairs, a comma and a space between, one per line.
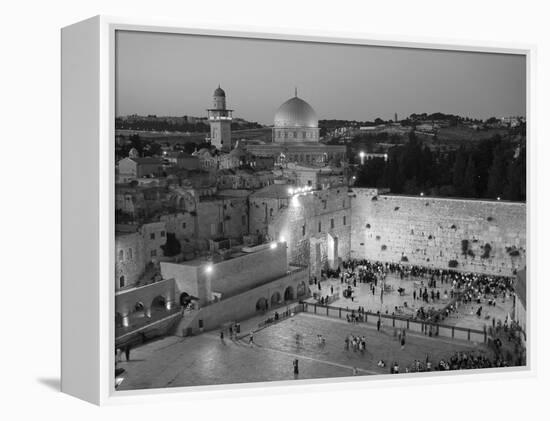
497, 173
468, 185
459, 169
172, 246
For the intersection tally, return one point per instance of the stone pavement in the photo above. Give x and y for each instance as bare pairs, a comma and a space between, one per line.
206, 360
363, 296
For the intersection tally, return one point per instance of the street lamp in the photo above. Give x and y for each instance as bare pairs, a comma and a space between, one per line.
209, 268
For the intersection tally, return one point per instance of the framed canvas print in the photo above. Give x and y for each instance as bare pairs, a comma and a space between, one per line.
273, 209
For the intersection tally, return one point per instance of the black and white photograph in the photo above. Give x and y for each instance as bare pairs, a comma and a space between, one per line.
290, 210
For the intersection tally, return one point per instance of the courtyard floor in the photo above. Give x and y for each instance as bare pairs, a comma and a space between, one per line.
207, 360
464, 317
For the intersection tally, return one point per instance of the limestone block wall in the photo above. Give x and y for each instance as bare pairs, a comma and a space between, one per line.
243, 306
249, 270
433, 231
231, 212
310, 222
126, 300
130, 259
263, 210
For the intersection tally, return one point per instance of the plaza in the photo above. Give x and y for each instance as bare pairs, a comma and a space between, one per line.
207, 360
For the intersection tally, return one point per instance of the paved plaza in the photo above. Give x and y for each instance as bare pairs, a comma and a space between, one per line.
464, 317
207, 360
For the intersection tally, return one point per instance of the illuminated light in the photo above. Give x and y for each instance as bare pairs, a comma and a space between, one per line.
421, 193
354, 177
498, 198
209, 269
294, 201
273, 245
291, 191
168, 305
362, 154
282, 239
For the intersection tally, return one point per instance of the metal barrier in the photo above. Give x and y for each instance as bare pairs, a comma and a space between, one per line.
399, 322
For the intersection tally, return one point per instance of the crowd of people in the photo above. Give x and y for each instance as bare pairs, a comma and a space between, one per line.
431, 286
458, 361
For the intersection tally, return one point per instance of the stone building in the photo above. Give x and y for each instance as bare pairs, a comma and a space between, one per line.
133, 168
315, 224
135, 248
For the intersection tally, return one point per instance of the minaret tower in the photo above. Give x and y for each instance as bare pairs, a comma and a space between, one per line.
220, 122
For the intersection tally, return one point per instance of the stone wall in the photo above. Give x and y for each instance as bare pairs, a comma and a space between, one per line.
435, 231
227, 217
126, 300
243, 306
310, 222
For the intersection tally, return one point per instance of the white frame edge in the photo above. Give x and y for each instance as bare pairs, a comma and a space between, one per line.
87, 372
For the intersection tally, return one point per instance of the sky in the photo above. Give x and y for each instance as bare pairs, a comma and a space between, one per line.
175, 75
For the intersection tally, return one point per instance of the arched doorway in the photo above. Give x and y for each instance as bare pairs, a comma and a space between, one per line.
261, 304
301, 289
289, 293
158, 303
275, 298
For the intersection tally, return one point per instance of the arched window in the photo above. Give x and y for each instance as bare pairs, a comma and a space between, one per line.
121, 255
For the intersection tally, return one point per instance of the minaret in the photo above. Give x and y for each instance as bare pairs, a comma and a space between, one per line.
220, 122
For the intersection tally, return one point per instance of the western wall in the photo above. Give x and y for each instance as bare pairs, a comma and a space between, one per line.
470, 235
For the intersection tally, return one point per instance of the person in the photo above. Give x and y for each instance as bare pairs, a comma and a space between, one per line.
251, 339
295, 366
127, 352
378, 323
355, 371
230, 332
221, 335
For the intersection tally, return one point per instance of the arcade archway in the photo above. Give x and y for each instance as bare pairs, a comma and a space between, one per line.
275, 298
289, 294
261, 304
301, 289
